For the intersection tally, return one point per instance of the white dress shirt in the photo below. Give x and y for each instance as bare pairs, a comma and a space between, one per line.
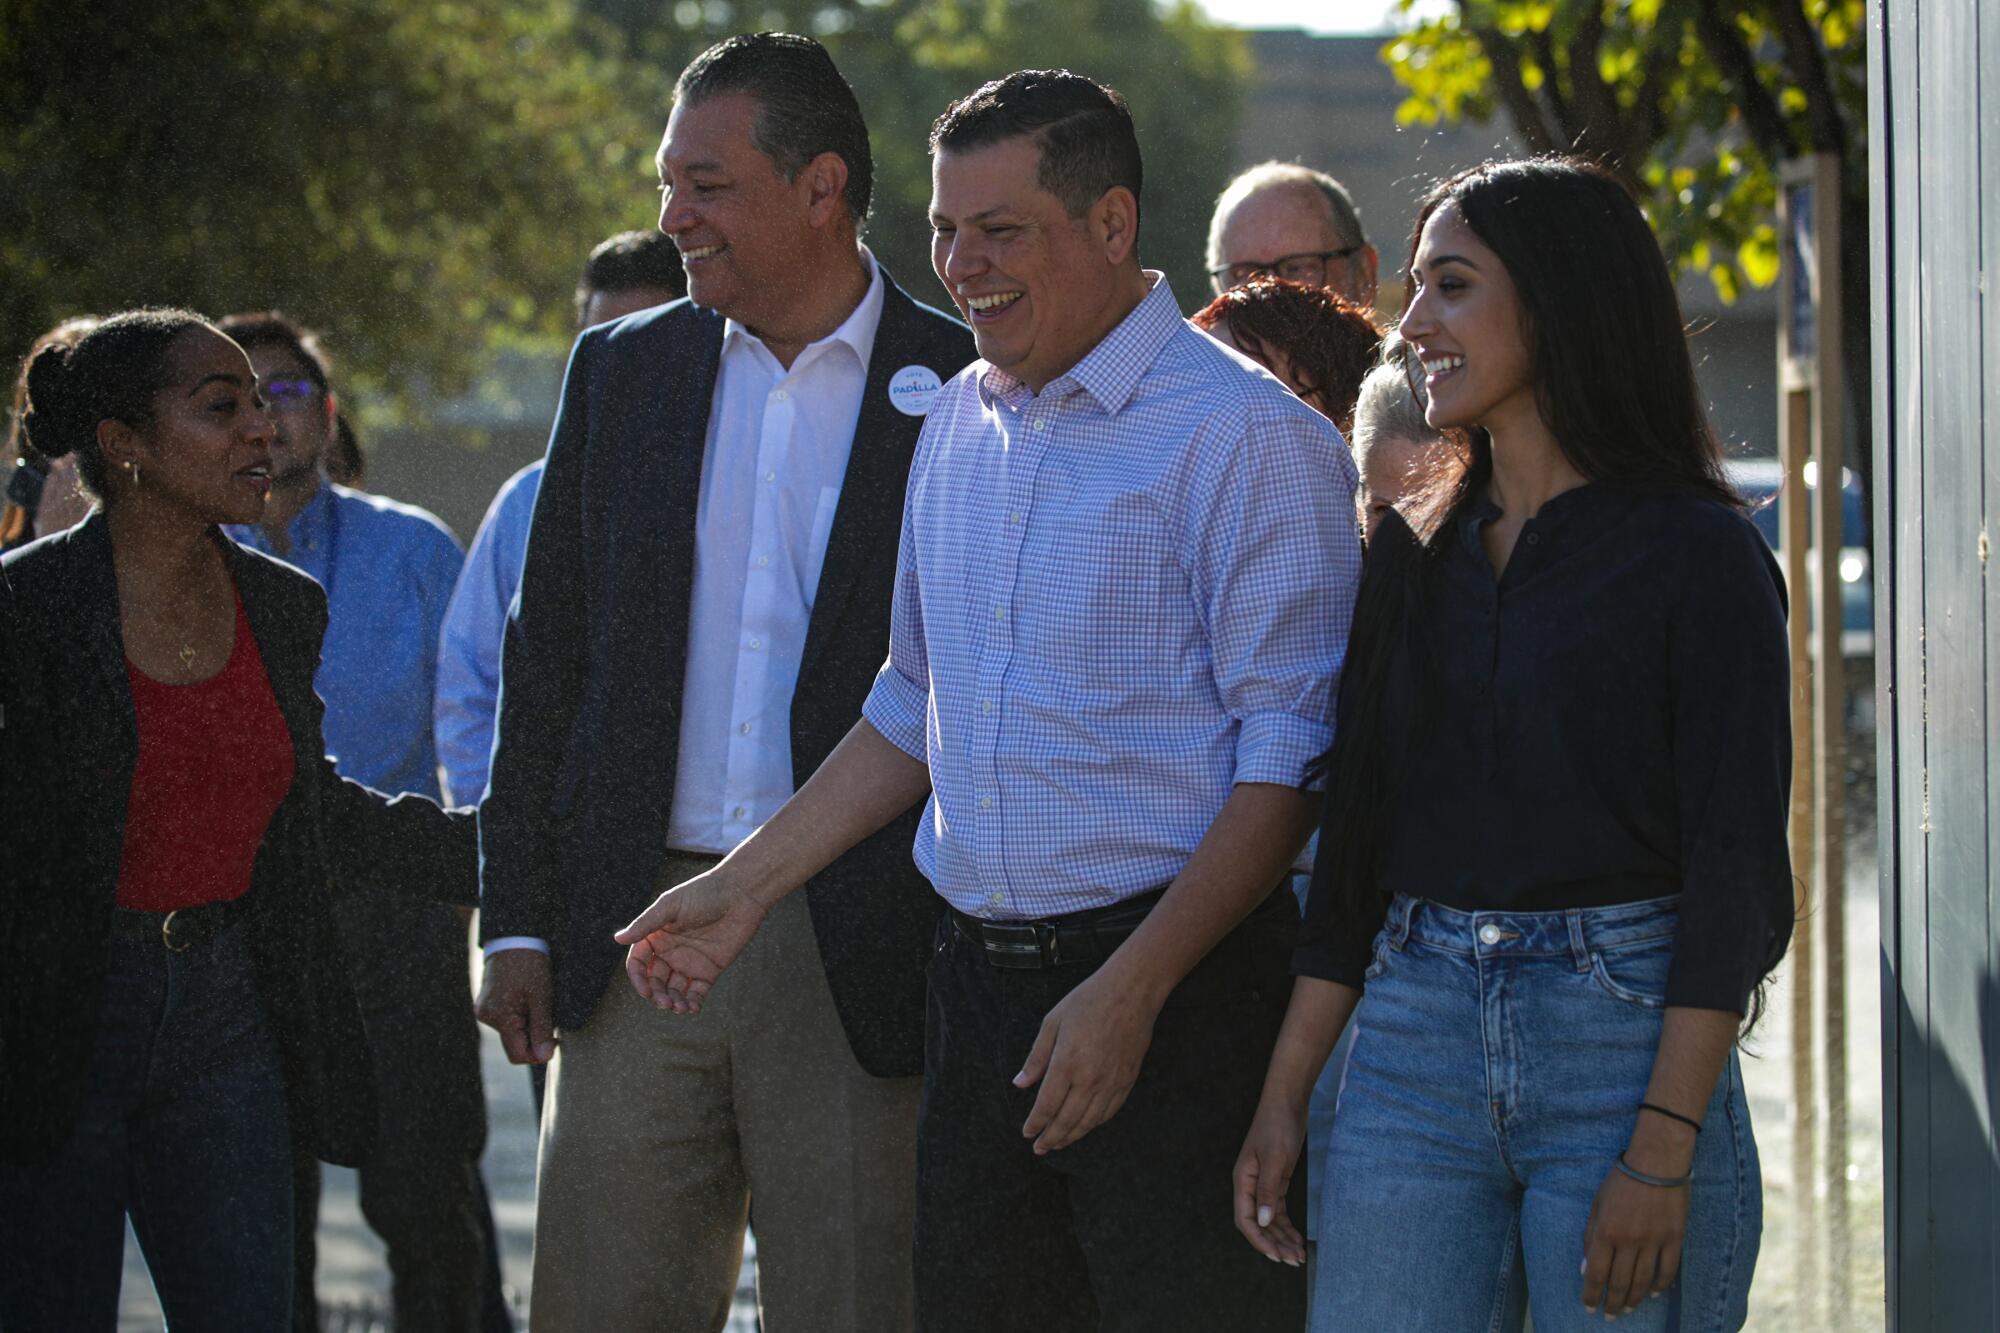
777, 449
778, 442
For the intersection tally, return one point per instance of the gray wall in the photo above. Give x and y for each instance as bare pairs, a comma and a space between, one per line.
1934, 128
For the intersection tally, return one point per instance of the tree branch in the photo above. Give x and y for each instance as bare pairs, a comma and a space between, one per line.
1725, 46
1649, 108
1601, 131
1505, 57
1807, 65
1567, 127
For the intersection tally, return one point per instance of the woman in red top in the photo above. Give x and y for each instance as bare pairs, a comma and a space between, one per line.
173, 1005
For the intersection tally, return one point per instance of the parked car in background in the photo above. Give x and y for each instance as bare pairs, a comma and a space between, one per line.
1757, 479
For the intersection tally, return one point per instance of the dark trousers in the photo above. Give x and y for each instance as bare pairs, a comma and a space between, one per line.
183, 1127
421, 1191
1132, 1227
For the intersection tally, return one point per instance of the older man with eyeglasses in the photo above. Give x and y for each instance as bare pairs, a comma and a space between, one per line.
1280, 219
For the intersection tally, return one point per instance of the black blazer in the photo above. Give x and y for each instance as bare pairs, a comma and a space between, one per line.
68, 744
573, 828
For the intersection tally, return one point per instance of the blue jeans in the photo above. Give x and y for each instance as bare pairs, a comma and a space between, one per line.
1492, 1083
183, 1126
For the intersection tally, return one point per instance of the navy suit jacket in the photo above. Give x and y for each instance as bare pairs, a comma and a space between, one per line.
573, 828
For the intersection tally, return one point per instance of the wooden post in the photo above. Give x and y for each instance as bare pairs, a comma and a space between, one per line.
1829, 703
1798, 329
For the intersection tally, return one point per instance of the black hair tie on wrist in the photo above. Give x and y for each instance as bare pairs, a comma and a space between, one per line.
1663, 1182
1694, 1125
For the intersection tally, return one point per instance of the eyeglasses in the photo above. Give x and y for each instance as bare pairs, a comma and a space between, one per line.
1308, 267
289, 393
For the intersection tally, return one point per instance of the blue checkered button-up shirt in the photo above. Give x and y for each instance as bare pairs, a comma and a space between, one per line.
1115, 600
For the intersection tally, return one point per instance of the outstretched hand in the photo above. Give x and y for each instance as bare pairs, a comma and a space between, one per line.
680, 945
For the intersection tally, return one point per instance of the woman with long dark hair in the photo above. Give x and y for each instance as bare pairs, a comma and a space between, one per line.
174, 1009
1554, 854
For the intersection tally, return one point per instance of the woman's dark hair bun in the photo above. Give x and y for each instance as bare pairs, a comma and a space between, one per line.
110, 371
51, 418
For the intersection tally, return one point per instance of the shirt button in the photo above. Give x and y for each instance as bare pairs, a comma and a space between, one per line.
770, 476
780, 396
1534, 538
986, 803
1041, 424
763, 560
999, 613
738, 812
1489, 934
996, 898
985, 705
1014, 517
745, 728
756, 643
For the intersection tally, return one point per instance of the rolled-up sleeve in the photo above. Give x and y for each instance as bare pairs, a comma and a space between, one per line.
1730, 677
1275, 559
1335, 943
898, 704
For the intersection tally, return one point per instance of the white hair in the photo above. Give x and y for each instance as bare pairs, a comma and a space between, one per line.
1386, 408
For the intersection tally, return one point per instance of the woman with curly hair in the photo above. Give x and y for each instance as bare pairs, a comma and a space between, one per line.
1319, 344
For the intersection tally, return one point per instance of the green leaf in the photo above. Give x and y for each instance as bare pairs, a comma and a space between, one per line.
1724, 278
1758, 256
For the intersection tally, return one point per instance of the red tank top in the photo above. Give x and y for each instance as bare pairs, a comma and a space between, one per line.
215, 760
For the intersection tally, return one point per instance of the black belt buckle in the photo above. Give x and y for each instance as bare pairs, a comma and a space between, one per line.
1038, 951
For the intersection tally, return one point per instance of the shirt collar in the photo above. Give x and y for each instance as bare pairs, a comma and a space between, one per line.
1109, 372
1575, 516
307, 530
856, 331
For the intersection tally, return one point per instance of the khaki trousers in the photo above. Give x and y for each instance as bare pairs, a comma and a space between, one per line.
663, 1132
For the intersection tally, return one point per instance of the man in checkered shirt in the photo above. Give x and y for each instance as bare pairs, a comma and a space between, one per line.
1127, 565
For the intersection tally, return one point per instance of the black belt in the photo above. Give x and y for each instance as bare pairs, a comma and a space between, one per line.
183, 928
1084, 937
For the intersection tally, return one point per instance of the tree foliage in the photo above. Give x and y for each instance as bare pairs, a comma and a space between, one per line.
908, 59
1695, 101
422, 179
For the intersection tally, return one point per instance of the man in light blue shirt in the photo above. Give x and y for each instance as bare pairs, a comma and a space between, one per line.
1128, 559
628, 272
388, 570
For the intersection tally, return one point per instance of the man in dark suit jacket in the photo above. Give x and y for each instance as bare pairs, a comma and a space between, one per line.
704, 605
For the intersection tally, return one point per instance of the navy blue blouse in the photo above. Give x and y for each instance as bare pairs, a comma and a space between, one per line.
1607, 722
